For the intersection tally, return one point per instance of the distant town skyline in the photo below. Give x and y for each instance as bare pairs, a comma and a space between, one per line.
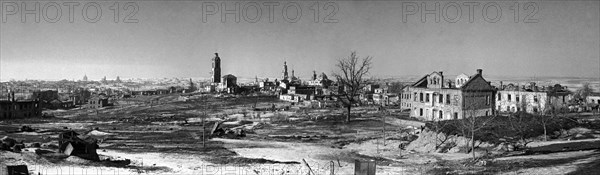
179, 39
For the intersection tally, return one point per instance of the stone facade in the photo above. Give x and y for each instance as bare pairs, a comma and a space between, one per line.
14, 109
531, 99
433, 98
593, 99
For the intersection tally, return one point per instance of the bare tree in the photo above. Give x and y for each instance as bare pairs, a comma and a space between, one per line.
549, 115
582, 93
206, 107
472, 120
520, 124
438, 126
351, 76
546, 115
396, 87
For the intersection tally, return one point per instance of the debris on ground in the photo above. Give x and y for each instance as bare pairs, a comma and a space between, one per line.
25, 128
72, 145
17, 169
7, 143
220, 129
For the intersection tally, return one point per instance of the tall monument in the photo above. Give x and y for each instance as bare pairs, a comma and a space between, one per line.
216, 69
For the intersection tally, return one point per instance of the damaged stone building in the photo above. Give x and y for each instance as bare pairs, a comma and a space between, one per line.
435, 98
12, 108
226, 83
531, 98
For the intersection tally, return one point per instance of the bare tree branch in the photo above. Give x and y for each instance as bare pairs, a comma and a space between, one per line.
351, 76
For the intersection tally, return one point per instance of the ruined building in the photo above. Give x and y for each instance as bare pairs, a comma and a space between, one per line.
12, 108
531, 98
435, 98
216, 69
228, 84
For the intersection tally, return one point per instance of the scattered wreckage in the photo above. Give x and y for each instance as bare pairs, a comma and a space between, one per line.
228, 129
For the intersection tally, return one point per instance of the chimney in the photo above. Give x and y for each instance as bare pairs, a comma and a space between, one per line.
12, 95
479, 71
501, 86
442, 73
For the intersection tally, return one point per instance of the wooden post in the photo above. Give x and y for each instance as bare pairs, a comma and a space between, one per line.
377, 140
203, 132
308, 166
332, 166
383, 116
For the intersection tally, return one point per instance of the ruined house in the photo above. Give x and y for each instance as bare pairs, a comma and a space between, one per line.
435, 98
531, 98
97, 102
593, 101
228, 84
12, 108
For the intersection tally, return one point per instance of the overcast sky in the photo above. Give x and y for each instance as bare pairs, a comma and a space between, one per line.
170, 39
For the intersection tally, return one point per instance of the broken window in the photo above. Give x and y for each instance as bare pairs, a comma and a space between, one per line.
456, 100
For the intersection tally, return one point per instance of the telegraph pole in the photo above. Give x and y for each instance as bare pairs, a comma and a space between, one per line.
383, 111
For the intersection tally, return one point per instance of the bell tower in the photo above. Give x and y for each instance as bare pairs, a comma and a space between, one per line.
285, 71
216, 69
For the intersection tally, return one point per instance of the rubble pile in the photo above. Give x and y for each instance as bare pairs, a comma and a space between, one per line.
230, 130
70, 144
10, 144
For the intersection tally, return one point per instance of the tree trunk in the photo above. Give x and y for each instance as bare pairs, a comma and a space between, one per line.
473, 143
203, 133
545, 135
349, 107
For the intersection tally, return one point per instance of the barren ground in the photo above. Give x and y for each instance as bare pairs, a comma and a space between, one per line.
163, 135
